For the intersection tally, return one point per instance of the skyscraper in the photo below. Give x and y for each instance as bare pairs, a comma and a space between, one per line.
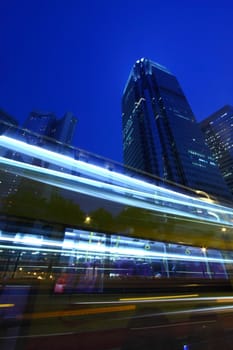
8, 181
160, 133
40, 128
218, 131
6, 121
65, 128
40, 122
46, 124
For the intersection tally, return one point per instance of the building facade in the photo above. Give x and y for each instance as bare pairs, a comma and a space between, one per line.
6, 121
46, 124
40, 129
218, 131
160, 132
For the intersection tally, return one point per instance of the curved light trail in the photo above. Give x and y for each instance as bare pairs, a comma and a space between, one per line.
103, 183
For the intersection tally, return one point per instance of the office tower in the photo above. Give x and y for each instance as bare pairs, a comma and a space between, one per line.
40, 122
218, 131
8, 181
161, 135
6, 121
46, 124
46, 130
65, 128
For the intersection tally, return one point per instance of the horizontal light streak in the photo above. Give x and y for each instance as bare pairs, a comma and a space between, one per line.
187, 311
82, 312
72, 164
167, 298
90, 182
94, 188
10, 247
77, 165
117, 194
210, 309
6, 305
177, 324
224, 299
101, 250
37, 335
105, 174
193, 298
176, 298
164, 297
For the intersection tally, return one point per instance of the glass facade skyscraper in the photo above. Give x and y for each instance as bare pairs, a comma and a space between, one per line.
160, 132
218, 131
46, 124
40, 128
41, 123
6, 120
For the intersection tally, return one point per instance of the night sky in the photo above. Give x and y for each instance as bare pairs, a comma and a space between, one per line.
67, 55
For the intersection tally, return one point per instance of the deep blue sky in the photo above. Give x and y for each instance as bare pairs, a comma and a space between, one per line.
67, 55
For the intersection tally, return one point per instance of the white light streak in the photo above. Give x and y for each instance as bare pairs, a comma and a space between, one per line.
120, 189
70, 247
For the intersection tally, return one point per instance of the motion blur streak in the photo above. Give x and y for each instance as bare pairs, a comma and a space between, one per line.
125, 190
224, 299
163, 299
102, 250
228, 308
179, 324
78, 312
6, 305
167, 297
191, 297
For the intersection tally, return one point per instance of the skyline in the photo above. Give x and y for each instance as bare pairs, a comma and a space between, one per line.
77, 57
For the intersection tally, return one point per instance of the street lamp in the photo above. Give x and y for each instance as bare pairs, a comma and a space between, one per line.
87, 219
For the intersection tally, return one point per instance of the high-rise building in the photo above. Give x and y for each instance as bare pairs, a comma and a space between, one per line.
6, 121
40, 122
40, 128
8, 181
161, 135
65, 128
46, 124
218, 131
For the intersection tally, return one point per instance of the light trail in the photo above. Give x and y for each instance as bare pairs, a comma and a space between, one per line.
193, 298
88, 169
82, 312
102, 250
166, 298
174, 204
6, 305
190, 311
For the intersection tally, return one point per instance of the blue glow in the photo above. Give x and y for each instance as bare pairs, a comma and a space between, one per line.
103, 183
81, 247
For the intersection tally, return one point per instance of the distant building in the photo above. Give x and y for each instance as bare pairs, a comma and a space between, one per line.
40, 122
46, 124
40, 128
8, 182
161, 135
218, 131
6, 121
65, 128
